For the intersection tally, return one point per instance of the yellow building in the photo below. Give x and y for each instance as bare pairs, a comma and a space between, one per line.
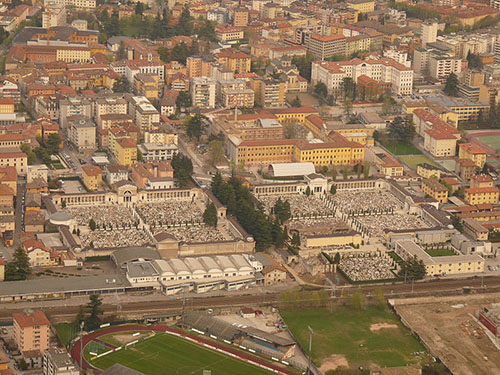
264, 151
6, 105
315, 124
363, 6
388, 166
472, 152
338, 152
299, 114
92, 177
269, 93
125, 151
73, 54
482, 195
434, 189
146, 85
234, 60
19, 160
428, 171
441, 142
227, 33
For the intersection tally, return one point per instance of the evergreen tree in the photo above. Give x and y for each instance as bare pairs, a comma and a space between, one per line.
121, 85
321, 90
413, 269
92, 225
194, 127
183, 169
183, 100
296, 102
451, 86
94, 311
185, 25
210, 215
19, 267
333, 189
402, 130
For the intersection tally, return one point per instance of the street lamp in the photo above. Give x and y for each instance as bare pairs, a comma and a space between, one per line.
82, 323
311, 332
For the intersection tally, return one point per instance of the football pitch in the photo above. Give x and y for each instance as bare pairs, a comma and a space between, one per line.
165, 353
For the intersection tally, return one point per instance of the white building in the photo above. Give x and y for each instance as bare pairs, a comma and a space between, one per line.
385, 69
58, 362
157, 151
55, 15
442, 65
429, 32
203, 92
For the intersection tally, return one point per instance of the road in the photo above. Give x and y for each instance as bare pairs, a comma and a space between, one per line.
162, 305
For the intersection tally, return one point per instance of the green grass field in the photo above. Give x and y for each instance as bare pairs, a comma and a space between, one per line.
347, 332
155, 355
413, 160
399, 148
440, 252
491, 140
66, 332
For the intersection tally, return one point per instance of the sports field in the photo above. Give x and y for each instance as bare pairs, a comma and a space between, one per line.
413, 160
353, 338
165, 353
492, 141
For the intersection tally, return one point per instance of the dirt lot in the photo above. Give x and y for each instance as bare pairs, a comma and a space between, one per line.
453, 335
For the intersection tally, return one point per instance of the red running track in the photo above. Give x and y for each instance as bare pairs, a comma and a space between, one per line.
75, 350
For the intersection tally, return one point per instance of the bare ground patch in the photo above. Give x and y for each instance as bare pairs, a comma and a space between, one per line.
378, 326
332, 362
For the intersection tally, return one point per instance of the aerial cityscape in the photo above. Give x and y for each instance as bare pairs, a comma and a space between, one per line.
250, 187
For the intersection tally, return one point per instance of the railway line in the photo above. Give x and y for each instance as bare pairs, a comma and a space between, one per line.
396, 290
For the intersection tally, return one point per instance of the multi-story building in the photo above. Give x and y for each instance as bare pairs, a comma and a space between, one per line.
6, 105
54, 16
482, 195
18, 160
455, 110
110, 105
157, 151
332, 74
203, 92
429, 31
234, 60
74, 106
269, 93
125, 151
472, 152
434, 189
442, 65
199, 66
323, 47
92, 177
226, 33
240, 17
31, 331
145, 115
58, 362
146, 85
363, 6
82, 133
234, 94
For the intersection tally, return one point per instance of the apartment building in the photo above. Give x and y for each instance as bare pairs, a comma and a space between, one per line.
363, 6
199, 66
125, 151
429, 31
323, 47
269, 93
18, 160
157, 151
234, 60
234, 94
74, 106
82, 133
240, 17
110, 105
226, 33
57, 361
203, 92
332, 74
442, 65
434, 189
31, 331
145, 115
92, 177
472, 152
482, 195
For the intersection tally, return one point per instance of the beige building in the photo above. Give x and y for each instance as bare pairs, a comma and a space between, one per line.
18, 160
82, 133
441, 66
434, 189
273, 274
31, 331
203, 92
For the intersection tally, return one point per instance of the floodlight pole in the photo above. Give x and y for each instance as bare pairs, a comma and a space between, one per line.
81, 344
310, 346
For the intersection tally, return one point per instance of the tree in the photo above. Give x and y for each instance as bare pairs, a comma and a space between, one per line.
183, 169
402, 130
308, 191
121, 53
53, 143
92, 225
334, 172
94, 311
183, 100
336, 258
215, 151
296, 102
347, 104
321, 90
457, 223
194, 126
121, 85
295, 239
164, 54
304, 64
207, 31
451, 86
345, 172
282, 210
388, 105
474, 61
357, 301
210, 215
26, 148
185, 26
413, 268
139, 8
140, 157
19, 267
333, 189
23, 366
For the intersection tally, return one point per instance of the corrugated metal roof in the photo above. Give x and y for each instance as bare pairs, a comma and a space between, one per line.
292, 169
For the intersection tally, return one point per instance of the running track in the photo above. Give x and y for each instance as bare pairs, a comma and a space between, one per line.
75, 350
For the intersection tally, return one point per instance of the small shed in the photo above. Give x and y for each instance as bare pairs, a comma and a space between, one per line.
247, 312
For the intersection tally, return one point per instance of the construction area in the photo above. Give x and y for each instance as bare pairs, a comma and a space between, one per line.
449, 329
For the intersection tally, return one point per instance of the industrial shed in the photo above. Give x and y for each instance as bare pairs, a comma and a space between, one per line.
291, 169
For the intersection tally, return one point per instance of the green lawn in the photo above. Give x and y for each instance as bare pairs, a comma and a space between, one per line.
66, 332
399, 148
113, 341
440, 252
347, 332
155, 355
414, 160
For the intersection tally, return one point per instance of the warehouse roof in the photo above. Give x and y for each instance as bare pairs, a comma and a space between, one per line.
291, 169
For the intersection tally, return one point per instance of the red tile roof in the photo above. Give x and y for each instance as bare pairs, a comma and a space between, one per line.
37, 318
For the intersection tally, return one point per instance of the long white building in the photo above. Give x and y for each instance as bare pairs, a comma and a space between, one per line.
332, 74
